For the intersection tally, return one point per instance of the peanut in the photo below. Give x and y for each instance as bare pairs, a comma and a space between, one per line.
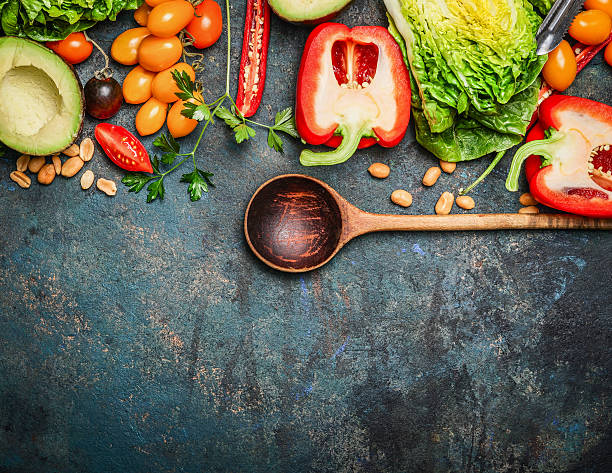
107, 186
46, 174
36, 163
21, 179
86, 150
527, 199
447, 166
431, 176
531, 209
72, 150
22, 162
87, 179
57, 164
379, 170
445, 203
465, 202
72, 166
401, 197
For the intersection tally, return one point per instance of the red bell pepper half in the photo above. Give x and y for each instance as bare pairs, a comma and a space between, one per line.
569, 157
352, 83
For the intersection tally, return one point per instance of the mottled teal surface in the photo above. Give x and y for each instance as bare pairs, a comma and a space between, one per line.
147, 338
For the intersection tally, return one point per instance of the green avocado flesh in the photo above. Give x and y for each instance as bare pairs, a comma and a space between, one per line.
307, 11
41, 100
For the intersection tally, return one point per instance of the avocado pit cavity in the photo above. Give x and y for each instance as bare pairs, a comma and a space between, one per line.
29, 100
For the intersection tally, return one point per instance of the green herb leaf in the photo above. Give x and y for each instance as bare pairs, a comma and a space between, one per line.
228, 117
167, 143
197, 112
156, 189
274, 141
207, 176
183, 82
198, 182
285, 122
135, 181
168, 158
243, 132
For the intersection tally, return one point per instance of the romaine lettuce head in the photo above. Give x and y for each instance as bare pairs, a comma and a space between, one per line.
472, 134
467, 54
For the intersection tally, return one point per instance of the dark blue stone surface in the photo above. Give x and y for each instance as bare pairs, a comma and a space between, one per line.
142, 337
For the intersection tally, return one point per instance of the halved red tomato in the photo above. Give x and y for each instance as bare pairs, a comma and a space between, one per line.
123, 148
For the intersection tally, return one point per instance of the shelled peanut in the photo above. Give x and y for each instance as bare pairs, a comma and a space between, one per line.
46, 172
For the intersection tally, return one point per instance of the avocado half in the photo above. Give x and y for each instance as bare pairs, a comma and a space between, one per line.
41, 98
309, 12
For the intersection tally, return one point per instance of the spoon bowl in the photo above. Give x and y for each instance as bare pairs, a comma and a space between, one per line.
294, 223
297, 223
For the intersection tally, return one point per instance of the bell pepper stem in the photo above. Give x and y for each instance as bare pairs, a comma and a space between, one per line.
538, 147
351, 136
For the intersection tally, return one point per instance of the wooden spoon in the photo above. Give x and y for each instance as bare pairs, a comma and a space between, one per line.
297, 223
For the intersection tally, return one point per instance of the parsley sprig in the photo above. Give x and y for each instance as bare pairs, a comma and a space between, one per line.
196, 108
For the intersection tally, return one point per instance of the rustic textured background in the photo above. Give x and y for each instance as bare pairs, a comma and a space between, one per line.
147, 338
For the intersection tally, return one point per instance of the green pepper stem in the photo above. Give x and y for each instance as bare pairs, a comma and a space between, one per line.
351, 136
537, 147
496, 159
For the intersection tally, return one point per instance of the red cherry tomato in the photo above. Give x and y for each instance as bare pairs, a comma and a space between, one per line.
591, 27
603, 5
74, 49
123, 148
207, 25
560, 68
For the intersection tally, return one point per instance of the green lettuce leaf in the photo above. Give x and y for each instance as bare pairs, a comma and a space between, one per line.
467, 55
472, 134
50, 20
543, 6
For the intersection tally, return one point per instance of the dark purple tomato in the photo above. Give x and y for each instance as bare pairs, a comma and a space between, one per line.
103, 97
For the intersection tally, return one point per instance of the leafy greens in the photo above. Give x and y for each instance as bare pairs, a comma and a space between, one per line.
473, 70
50, 20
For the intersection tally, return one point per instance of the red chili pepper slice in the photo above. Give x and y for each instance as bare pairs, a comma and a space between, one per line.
123, 148
571, 169
254, 57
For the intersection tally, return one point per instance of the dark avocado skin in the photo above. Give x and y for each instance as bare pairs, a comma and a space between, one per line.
78, 81
318, 21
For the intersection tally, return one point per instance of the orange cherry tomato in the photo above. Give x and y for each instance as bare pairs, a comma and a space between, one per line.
603, 5
560, 68
124, 49
141, 15
608, 54
169, 18
591, 27
137, 85
164, 87
74, 49
206, 26
178, 124
157, 54
151, 117
154, 3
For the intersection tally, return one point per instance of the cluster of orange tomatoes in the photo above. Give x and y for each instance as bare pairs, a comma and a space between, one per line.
155, 49
590, 27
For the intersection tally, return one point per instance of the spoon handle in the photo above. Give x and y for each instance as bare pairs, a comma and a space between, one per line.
365, 222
